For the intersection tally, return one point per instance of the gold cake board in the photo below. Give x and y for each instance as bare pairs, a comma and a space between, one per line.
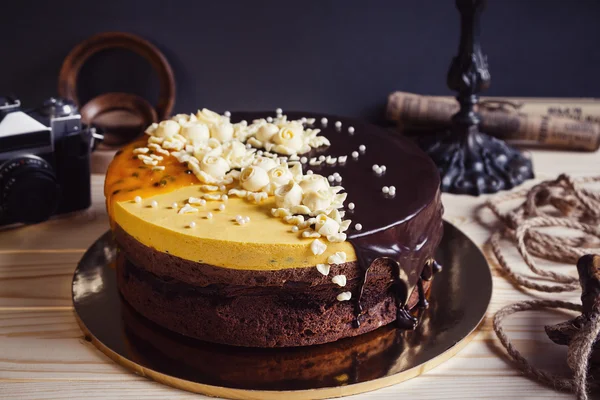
459, 299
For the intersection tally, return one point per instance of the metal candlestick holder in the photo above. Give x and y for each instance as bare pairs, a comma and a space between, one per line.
471, 162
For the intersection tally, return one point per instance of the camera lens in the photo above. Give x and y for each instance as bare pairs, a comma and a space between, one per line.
28, 190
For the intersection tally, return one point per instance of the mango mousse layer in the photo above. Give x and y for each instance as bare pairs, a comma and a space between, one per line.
265, 243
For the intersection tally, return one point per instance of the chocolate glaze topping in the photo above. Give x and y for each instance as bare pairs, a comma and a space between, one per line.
388, 229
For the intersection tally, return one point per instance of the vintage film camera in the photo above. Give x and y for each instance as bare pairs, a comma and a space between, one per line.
44, 161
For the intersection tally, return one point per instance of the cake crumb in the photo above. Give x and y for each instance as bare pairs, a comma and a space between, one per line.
337, 258
317, 247
323, 268
186, 209
344, 296
339, 280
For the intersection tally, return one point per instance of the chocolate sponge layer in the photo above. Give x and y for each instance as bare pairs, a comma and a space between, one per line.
293, 307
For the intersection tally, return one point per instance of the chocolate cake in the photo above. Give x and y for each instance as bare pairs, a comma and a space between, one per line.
272, 230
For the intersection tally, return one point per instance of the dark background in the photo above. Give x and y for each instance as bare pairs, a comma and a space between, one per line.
339, 57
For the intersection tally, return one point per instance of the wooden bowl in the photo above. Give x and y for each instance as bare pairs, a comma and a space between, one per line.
120, 116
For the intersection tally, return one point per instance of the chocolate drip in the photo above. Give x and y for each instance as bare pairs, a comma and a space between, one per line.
428, 272
404, 319
435, 267
368, 250
367, 253
431, 268
386, 244
423, 303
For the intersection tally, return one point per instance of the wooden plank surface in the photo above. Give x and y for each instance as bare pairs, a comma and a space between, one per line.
44, 356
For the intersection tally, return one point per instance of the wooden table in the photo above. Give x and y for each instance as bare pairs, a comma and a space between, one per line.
43, 353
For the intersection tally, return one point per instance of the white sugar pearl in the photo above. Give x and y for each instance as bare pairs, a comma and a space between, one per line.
385, 189
303, 160
154, 204
383, 168
303, 120
322, 158
354, 154
309, 172
222, 207
222, 188
238, 217
338, 179
358, 227
243, 122
294, 228
248, 146
259, 153
202, 202
224, 197
227, 114
379, 171
338, 124
362, 148
392, 188
241, 221
351, 206
324, 121
278, 111
336, 175
375, 167
138, 199
174, 205
269, 119
330, 178
192, 224
209, 215
351, 130
247, 219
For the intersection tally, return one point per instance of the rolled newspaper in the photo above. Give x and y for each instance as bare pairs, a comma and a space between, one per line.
500, 119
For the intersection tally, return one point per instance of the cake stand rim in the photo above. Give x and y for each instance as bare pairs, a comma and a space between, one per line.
302, 394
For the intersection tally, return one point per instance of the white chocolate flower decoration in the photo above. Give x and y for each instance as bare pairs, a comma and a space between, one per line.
214, 166
291, 137
165, 129
222, 131
266, 132
254, 178
235, 153
182, 118
280, 175
288, 196
265, 163
312, 183
296, 171
196, 132
215, 150
318, 200
326, 226
208, 117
